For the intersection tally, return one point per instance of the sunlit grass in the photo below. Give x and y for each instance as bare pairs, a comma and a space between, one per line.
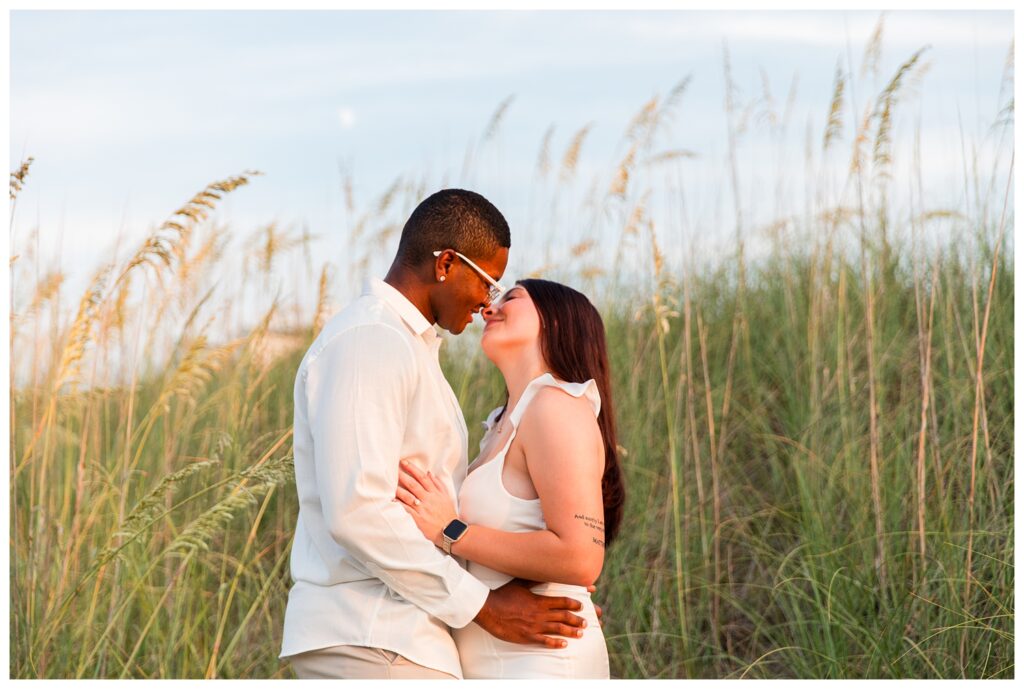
817, 443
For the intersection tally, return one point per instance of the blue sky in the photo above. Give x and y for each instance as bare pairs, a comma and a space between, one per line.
129, 113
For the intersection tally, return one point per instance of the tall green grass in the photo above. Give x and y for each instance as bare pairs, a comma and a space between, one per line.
817, 442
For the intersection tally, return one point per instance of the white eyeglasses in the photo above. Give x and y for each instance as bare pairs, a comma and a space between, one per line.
495, 291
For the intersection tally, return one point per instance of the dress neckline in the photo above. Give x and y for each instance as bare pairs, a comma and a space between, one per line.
511, 415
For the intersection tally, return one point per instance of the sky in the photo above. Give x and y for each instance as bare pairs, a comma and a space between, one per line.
127, 114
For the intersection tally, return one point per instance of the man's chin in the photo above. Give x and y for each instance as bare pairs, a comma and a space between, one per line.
456, 329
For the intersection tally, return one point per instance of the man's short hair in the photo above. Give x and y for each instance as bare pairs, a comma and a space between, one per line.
453, 219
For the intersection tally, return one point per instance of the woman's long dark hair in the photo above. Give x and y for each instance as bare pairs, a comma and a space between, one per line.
573, 345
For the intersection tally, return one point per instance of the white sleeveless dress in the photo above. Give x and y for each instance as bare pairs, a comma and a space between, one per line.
484, 500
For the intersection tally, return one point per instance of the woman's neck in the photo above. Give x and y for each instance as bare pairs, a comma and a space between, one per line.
518, 373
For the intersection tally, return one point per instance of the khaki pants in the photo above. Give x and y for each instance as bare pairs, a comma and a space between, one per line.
359, 662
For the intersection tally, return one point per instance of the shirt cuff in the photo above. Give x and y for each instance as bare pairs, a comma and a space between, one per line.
466, 601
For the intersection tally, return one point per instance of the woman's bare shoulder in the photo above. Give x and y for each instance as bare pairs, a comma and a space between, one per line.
554, 414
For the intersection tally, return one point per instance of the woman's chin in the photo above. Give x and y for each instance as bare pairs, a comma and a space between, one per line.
488, 343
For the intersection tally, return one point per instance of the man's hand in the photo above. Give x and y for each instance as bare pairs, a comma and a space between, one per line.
513, 613
590, 589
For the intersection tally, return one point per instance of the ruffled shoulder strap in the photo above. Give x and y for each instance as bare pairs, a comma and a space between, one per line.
587, 389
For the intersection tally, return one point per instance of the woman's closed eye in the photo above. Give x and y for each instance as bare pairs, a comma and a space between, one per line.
509, 296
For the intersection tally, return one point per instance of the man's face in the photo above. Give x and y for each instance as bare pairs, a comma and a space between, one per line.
465, 291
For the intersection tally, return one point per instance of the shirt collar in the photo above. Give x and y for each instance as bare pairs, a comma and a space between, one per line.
405, 308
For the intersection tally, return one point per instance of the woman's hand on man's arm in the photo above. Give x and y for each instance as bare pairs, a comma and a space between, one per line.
426, 500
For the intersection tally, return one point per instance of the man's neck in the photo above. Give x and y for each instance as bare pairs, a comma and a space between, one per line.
411, 287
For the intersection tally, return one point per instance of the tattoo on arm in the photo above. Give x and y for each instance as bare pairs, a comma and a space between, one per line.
591, 522
599, 542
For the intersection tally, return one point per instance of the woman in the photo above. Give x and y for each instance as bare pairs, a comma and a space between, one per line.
544, 497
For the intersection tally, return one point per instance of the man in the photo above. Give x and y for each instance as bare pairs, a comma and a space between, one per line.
372, 598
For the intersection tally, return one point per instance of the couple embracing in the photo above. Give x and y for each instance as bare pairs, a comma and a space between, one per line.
408, 560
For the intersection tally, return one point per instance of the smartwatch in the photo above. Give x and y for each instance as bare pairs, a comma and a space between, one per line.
455, 530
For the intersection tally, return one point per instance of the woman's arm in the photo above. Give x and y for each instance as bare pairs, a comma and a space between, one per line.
565, 459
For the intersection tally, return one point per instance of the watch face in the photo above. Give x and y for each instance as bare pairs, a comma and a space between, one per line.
455, 529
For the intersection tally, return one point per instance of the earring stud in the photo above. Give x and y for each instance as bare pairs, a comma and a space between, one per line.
441, 279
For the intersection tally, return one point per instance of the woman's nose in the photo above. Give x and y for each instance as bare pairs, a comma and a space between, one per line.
489, 311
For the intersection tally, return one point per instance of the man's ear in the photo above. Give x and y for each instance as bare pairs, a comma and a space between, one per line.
442, 265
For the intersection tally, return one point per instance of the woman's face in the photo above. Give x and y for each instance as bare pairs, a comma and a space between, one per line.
510, 324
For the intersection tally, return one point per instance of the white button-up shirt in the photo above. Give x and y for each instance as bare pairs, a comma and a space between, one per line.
369, 393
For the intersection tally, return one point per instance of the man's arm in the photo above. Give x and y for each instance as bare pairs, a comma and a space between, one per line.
358, 393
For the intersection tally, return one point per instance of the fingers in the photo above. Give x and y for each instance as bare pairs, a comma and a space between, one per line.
414, 471
558, 616
437, 482
569, 619
549, 641
411, 485
406, 497
591, 589
563, 603
563, 630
